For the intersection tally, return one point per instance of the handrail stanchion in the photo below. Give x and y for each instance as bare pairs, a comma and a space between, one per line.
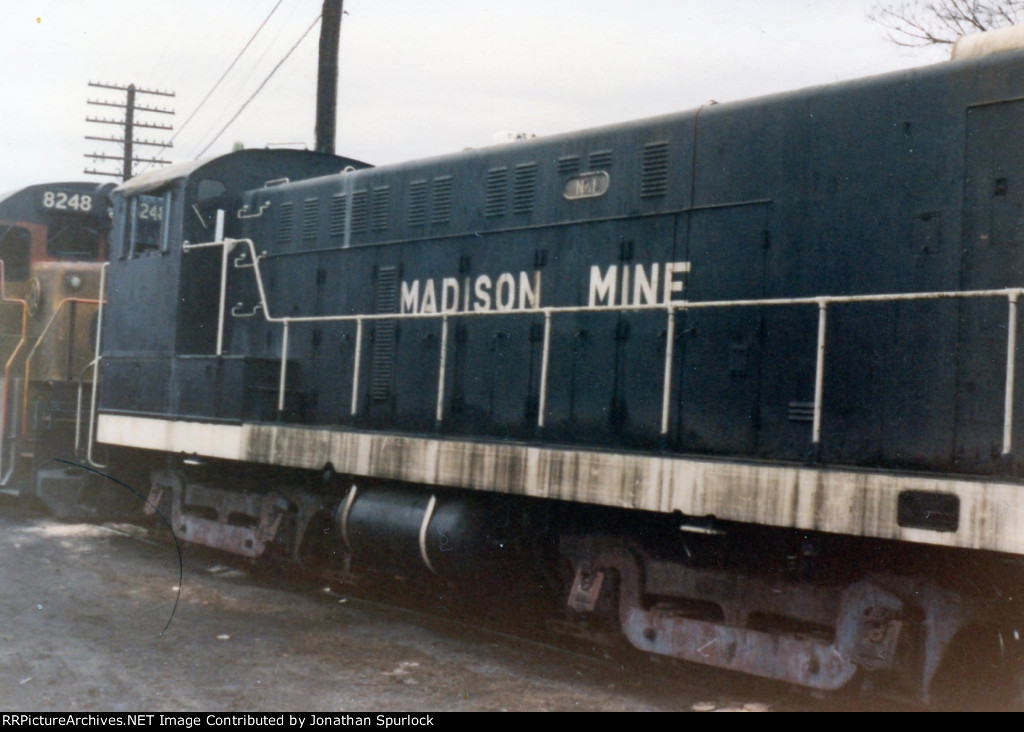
284, 367
78, 406
545, 358
93, 402
666, 389
819, 370
1011, 364
356, 360
439, 415
225, 252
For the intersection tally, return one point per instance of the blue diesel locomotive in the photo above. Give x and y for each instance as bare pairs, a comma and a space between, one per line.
740, 380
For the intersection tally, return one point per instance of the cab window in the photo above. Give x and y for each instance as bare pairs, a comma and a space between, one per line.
74, 240
15, 251
148, 227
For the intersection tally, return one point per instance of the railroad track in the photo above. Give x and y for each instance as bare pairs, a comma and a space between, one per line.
493, 623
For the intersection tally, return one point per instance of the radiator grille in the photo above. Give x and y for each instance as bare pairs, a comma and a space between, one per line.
381, 202
497, 192
285, 219
568, 164
524, 188
442, 212
310, 217
359, 212
654, 175
382, 367
600, 159
418, 203
338, 203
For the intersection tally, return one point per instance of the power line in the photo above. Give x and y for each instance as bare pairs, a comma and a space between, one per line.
228, 70
260, 87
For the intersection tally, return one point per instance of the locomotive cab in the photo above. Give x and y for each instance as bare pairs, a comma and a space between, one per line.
167, 337
53, 240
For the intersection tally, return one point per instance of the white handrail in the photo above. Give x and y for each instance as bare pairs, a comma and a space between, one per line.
822, 302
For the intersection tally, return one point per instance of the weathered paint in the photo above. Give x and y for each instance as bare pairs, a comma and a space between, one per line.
859, 502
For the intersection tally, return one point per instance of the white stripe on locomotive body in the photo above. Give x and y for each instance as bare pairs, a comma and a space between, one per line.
853, 502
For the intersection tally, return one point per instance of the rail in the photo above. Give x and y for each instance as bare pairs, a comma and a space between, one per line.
822, 303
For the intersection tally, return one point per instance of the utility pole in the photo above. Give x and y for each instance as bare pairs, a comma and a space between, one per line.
327, 77
128, 125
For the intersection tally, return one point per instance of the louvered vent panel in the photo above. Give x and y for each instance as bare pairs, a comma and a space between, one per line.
600, 159
381, 201
497, 192
418, 203
310, 216
801, 411
338, 204
654, 172
359, 212
568, 164
524, 188
442, 212
382, 366
285, 219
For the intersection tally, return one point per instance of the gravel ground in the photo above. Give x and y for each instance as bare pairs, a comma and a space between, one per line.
85, 608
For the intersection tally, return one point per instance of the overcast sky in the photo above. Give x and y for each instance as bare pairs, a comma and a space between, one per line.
418, 77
